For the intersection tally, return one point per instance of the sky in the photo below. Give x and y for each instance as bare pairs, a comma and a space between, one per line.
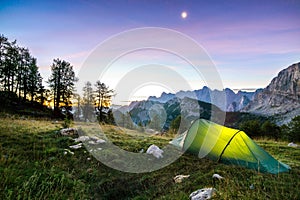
249, 42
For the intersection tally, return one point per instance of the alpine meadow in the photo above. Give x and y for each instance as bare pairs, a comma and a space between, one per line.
149, 100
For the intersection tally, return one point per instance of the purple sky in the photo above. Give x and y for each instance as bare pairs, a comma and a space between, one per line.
249, 41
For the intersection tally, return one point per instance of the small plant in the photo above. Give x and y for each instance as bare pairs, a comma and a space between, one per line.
67, 123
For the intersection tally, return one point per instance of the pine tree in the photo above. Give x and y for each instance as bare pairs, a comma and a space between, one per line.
18, 70
103, 97
61, 82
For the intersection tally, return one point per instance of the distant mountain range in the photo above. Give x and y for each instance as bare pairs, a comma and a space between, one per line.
281, 99
233, 101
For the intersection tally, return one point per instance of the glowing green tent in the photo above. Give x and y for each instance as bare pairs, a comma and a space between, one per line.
227, 145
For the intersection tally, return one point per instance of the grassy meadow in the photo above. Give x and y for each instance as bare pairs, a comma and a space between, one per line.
33, 165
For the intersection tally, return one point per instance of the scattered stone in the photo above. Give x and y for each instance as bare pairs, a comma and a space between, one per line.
203, 194
89, 170
91, 139
179, 178
99, 141
82, 138
292, 144
155, 151
68, 131
148, 130
66, 151
76, 146
217, 176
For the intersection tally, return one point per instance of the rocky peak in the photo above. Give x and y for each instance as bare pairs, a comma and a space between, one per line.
287, 82
281, 97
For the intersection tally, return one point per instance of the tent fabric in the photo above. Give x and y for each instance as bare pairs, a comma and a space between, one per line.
230, 146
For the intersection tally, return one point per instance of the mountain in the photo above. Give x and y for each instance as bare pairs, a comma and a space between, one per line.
281, 98
233, 101
157, 115
163, 98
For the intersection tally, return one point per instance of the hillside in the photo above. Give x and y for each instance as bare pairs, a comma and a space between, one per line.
11, 103
34, 165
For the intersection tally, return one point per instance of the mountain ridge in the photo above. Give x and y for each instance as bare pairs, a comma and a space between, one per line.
233, 101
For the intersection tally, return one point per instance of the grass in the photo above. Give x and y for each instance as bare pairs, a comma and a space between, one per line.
33, 166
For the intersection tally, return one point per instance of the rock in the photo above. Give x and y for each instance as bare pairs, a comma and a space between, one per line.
76, 146
155, 151
217, 176
66, 151
203, 194
292, 144
82, 138
179, 178
68, 131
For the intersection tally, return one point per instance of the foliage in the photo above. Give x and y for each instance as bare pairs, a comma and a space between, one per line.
251, 128
270, 130
67, 122
235, 119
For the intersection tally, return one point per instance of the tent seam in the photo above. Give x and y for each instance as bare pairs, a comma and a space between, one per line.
227, 146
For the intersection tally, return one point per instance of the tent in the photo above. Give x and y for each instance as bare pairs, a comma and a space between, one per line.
230, 146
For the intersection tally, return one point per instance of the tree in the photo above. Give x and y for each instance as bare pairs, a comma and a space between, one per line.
61, 83
18, 70
77, 113
175, 124
103, 97
88, 101
34, 80
9, 66
292, 130
270, 130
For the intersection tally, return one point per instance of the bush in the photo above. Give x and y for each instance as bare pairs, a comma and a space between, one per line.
67, 123
291, 131
251, 128
270, 130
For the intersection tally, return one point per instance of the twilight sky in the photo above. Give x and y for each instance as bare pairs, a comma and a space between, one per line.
248, 41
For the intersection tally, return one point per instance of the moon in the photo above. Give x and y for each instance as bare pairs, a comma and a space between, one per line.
184, 15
